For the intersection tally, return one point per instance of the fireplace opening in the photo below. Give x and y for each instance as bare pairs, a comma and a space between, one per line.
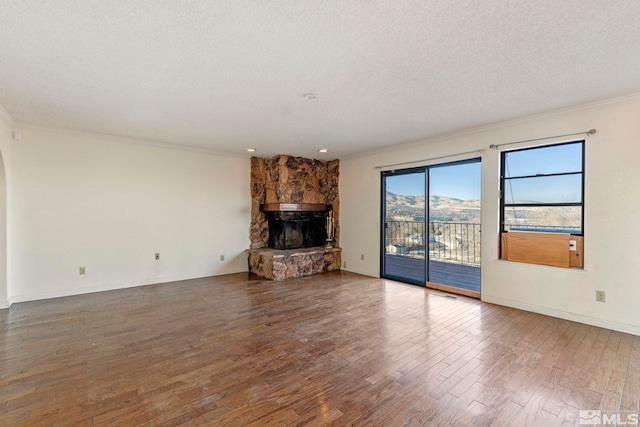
293, 230
294, 226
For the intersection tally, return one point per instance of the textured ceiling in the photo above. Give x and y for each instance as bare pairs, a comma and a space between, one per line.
229, 74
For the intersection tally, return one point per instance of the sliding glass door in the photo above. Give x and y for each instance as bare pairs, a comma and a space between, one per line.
454, 228
404, 225
431, 226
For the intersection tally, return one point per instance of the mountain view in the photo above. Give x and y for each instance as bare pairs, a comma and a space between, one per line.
445, 209
454, 226
449, 237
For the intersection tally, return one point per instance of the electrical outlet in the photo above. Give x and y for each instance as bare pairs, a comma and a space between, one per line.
344, 264
601, 296
83, 271
222, 257
157, 256
361, 257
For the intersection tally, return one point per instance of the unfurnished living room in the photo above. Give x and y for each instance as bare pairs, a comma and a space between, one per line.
309, 213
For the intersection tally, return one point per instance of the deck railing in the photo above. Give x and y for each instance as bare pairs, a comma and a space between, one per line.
457, 242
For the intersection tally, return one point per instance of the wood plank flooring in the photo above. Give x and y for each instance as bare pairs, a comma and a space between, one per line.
333, 349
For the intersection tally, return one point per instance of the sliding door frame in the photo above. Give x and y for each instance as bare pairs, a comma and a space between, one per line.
383, 220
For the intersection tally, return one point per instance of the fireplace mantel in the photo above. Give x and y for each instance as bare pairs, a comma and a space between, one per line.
294, 207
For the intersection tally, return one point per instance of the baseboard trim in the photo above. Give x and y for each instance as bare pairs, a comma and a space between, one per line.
4, 304
108, 287
361, 272
580, 318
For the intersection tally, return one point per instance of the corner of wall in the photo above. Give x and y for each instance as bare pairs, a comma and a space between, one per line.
6, 117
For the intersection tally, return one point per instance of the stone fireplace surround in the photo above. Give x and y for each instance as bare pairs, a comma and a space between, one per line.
292, 184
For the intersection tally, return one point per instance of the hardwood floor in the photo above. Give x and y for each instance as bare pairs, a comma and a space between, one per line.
334, 349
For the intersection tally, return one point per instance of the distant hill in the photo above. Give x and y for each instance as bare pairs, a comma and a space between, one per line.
441, 202
447, 209
441, 208
401, 200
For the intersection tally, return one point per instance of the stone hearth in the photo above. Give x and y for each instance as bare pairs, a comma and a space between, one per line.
276, 264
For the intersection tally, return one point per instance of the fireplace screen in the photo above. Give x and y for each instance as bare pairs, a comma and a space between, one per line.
292, 230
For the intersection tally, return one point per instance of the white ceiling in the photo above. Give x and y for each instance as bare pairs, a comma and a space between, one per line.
229, 74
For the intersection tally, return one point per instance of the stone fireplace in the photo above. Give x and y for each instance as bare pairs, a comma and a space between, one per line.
291, 198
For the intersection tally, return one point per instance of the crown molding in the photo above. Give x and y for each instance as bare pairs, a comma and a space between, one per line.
159, 144
619, 99
6, 117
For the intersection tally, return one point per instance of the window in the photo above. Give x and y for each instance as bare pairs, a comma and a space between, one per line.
542, 192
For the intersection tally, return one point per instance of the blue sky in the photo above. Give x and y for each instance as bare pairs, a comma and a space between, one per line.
549, 160
457, 181
554, 159
464, 181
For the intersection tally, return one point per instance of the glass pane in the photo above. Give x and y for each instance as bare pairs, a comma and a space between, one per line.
405, 197
544, 189
560, 219
545, 160
405, 227
454, 212
460, 182
454, 225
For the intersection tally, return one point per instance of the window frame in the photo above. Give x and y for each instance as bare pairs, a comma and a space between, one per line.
503, 179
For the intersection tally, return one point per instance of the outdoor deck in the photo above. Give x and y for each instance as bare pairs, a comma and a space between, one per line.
443, 273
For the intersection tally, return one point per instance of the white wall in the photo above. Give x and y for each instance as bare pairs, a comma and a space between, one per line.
5, 144
612, 215
110, 205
